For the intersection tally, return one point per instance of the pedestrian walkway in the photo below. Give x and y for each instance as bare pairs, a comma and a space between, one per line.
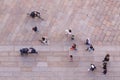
53, 63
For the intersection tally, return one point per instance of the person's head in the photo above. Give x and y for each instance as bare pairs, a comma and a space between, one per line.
88, 39
71, 56
70, 30
91, 46
107, 55
35, 27
74, 44
43, 38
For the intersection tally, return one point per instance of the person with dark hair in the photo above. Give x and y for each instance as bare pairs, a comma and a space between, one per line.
107, 57
90, 48
71, 55
35, 29
105, 71
71, 58
24, 51
32, 14
104, 65
44, 40
92, 67
73, 47
87, 41
68, 31
32, 50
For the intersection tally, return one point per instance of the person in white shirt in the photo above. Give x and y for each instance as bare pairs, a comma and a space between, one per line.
87, 41
68, 31
92, 67
44, 40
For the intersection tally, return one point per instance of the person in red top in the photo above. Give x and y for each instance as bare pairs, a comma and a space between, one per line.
73, 47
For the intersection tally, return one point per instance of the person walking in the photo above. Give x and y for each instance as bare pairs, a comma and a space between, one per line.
92, 67
90, 48
107, 58
68, 32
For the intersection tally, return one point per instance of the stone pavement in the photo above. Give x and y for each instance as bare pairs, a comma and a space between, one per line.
53, 64
97, 19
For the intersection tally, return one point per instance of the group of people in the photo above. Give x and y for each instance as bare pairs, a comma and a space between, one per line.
105, 62
68, 33
34, 14
26, 51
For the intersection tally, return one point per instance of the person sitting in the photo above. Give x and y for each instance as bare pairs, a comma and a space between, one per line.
105, 71
35, 29
32, 50
68, 31
24, 51
34, 14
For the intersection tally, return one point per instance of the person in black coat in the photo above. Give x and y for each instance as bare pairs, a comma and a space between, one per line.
24, 51
105, 71
35, 29
107, 58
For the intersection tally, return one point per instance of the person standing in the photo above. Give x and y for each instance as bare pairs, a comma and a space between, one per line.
90, 48
68, 31
105, 71
87, 41
107, 58
35, 29
73, 47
